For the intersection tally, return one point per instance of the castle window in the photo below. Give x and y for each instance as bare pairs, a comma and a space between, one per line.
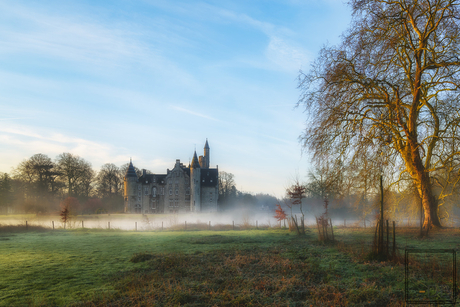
154, 180
146, 191
139, 198
162, 191
203, 180
139, 193
154, 192
139, 188
187, 192
177, 192
211, 180
170, 192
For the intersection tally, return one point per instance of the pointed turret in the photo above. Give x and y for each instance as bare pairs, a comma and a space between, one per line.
195, 187
129, 191
195, 162
131, 172
207, 155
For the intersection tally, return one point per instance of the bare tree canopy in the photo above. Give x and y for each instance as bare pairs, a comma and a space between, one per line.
389, 92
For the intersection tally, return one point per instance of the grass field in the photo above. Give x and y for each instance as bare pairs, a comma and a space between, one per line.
270, 267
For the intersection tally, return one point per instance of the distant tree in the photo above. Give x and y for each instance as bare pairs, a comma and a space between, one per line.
227, 190
6, 192
37, 184
109, 180
75, 173
389, 92
92, 205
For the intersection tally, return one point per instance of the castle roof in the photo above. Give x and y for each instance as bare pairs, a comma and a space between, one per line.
131, 172
195, 163
206, 146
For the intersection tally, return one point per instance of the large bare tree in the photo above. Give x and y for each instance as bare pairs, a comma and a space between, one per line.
389, 91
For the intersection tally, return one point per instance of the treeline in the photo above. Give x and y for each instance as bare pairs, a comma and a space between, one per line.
230, 198
39, 184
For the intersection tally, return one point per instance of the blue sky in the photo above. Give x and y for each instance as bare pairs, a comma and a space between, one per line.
151, 80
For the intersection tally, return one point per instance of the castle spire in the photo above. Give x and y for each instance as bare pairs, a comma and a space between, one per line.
195, 163
206, 146
131, 172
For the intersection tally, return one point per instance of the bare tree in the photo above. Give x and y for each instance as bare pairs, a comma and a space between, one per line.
38, 178
390, 90
109, 180
75, 172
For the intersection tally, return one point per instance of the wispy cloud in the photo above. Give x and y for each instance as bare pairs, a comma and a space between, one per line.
194, 113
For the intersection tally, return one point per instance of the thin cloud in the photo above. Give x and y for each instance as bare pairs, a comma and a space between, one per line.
194, 113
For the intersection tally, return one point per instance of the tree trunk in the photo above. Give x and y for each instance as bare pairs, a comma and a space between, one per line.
422, 180
429, 201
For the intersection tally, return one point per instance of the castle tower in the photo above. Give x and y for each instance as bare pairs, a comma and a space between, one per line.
207, 155
129, 191
195, 185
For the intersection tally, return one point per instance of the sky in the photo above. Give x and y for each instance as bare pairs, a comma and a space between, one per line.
152, 80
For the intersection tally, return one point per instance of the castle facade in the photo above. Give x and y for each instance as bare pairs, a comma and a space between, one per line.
192, 188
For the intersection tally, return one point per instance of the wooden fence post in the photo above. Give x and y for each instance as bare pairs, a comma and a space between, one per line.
394, 239
27, 226
257, 226
332, 229
135, 226
53, 224
388, 238
108, 224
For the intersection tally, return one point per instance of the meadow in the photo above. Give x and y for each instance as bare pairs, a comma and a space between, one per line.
251, 267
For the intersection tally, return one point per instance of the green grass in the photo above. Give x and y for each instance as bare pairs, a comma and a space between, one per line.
271, 267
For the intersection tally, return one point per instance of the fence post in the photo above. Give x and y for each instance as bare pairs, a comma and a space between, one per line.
185, 225
161, 225
53, 224
108, 224
82, 224
135, 226
27, 226
209, 225
388, 238
332, 229
394, 241
257, 225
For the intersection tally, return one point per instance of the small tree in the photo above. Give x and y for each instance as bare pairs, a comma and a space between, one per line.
296, 193
68, 205
280, 215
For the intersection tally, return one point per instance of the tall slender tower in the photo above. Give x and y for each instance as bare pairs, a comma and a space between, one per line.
195, 185
129, 192
207, 155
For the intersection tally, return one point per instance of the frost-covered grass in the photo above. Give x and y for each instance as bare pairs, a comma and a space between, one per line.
201, 268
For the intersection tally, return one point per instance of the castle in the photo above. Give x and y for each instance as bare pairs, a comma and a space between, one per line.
192, 188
